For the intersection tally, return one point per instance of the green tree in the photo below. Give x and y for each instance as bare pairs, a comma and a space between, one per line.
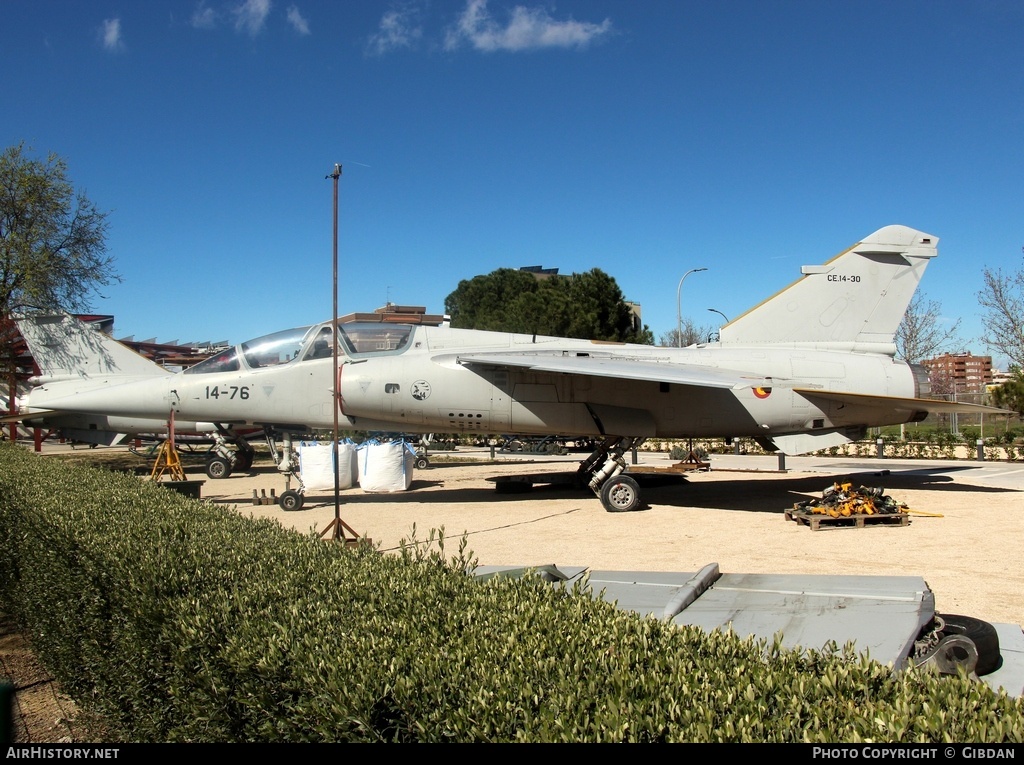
492, 301
589, 306
53, 244
53, 240
1010, 395
1002, 299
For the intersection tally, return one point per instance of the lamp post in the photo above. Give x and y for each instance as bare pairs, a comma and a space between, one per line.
679, 313
718, 335
715, 310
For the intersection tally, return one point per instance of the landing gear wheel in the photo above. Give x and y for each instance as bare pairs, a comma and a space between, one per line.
620, 494
422, 463
218, 467
243, 461
953, 653
982, 634
290, 500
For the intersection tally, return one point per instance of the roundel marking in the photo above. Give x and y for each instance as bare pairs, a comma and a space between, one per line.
420, 390
762, 392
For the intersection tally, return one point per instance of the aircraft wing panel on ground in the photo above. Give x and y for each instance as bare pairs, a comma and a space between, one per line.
620, 368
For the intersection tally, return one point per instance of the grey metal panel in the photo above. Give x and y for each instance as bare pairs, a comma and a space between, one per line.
882, 616
644, 592
1010, 676
549, 572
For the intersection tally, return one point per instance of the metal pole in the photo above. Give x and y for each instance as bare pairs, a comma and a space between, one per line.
334, 385
718, 335
679, 313
337, 527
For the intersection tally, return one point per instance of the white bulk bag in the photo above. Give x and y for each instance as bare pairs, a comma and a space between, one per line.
316, 465
385, 467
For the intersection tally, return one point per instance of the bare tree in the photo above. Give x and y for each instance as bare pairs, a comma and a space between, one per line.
922, 333
691, 335
1002, 299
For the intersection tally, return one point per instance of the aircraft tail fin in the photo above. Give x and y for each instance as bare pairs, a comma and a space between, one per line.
65, 348
855, 301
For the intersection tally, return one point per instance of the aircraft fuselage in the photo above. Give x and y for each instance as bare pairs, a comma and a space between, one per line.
437, 379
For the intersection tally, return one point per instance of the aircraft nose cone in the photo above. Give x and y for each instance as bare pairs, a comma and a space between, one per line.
140, 398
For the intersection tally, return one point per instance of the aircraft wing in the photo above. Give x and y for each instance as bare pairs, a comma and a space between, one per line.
19, 416
895, 403
619, 367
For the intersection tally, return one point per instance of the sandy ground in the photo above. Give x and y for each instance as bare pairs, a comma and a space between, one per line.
965, 535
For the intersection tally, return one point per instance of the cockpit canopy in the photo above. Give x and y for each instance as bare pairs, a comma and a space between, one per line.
363, 338
305, 343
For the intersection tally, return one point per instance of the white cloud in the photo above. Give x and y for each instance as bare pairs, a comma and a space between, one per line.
110, 35
295, 18
251, 16
398, 29
527, 28
203, 17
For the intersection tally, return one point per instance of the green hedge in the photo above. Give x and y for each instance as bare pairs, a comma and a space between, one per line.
177, 620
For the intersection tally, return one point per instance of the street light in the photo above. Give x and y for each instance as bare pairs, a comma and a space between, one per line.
679, 314
715, 310
718, 335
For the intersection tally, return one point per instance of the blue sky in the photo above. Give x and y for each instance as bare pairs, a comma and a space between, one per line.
642, 138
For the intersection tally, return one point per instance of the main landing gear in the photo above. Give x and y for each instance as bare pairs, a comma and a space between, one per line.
224, 460
604, 473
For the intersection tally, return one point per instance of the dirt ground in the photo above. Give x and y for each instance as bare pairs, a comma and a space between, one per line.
964, 537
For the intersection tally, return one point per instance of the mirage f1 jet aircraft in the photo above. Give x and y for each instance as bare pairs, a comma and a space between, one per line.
812, 367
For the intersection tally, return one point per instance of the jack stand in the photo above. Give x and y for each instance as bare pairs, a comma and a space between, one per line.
167, 458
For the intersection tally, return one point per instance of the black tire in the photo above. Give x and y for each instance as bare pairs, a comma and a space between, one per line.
218, 467
620, 494
982, 634
422, 463
290, 500
243, 460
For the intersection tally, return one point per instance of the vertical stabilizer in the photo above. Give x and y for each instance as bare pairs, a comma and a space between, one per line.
65, 348
855, 301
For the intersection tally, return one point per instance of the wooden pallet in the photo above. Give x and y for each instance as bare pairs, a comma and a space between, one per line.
816, 520
686, 466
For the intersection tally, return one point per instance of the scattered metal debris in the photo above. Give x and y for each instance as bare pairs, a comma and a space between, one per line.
842, 502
